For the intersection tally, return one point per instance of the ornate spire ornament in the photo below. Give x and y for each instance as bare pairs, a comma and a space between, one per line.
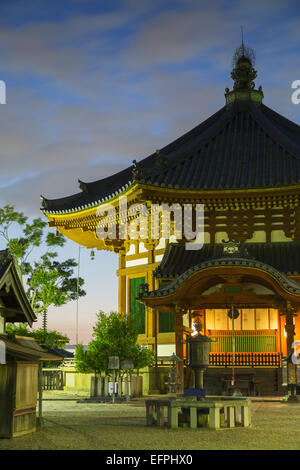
243, 75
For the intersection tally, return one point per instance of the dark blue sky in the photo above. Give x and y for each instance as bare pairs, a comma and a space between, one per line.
92, 85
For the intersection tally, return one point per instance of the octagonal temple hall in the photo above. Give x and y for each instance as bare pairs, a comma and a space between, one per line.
243, 165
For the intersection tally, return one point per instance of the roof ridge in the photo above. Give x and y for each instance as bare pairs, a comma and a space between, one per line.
284, 141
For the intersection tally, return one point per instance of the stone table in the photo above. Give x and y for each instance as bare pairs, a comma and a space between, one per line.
155, 411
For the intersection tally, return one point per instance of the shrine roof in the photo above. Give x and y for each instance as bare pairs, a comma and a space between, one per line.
15, 304
28, 348
284, 256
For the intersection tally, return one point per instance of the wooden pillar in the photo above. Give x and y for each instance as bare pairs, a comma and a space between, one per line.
40, 390
122, 283
289, 326
282, 339
290, 333
297, 325
178, 328
150, 314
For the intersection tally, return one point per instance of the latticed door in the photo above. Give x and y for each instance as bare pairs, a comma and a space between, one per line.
137, 309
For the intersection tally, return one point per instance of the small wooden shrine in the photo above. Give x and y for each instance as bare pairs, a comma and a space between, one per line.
21, 357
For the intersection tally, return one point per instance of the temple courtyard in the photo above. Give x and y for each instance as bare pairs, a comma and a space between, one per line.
69, 425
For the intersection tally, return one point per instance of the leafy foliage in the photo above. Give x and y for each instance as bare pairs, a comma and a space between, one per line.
49, 281
115, 335
49, 339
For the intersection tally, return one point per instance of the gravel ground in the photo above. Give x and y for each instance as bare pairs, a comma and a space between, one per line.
71, 425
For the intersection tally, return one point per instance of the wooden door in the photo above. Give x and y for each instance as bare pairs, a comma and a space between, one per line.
7, 398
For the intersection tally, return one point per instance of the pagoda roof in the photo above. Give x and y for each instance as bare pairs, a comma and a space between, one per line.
242, 146
283, 256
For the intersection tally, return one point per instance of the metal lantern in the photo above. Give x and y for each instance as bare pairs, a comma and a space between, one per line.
199, 357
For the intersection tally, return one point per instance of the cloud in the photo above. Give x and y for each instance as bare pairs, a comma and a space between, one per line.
94, 86
88, 93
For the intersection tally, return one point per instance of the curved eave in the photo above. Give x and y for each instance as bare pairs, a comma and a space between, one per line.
123, 191
282, 284
178, 192
90, 208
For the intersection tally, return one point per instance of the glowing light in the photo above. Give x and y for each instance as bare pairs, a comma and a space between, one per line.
195, 332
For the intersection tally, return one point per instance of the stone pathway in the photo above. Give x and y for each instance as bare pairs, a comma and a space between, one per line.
72, 425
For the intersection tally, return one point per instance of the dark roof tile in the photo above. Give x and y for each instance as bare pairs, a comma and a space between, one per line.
284, 256
236, 148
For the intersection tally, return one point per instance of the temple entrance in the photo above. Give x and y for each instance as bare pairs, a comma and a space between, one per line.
257, 336
264, 330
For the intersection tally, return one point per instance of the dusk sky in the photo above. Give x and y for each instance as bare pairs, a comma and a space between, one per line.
94, 84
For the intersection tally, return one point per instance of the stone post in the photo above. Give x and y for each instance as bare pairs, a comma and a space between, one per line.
93, 386
126, 387
119, 386
106, 386
99, 387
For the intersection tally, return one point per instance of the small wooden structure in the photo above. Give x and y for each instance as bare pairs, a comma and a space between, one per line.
20, 385
20, 368
164, 412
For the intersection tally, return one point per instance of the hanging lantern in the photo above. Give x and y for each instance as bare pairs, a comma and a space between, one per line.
236, 313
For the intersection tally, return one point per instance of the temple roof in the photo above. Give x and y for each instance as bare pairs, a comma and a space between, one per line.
283, 256
289, 285
28, 348
245, 145
16, 306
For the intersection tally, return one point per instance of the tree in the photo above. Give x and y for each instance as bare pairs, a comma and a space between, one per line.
49, 281
142, 357
50, 339
115, 335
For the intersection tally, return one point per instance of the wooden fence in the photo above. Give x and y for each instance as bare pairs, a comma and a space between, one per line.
246, 359
52, 379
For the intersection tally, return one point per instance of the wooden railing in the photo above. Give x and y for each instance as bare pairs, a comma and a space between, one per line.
246, 359
245, 340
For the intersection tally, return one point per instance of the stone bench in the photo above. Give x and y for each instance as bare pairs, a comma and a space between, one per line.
236, 411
